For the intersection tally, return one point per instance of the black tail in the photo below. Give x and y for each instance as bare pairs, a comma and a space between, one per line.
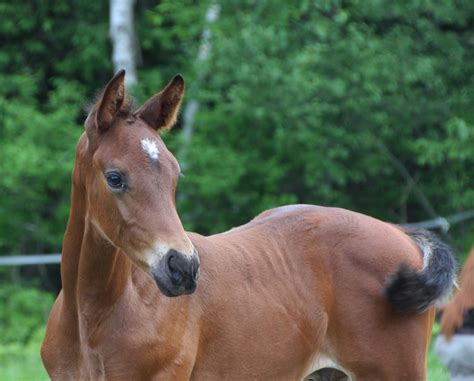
408, 290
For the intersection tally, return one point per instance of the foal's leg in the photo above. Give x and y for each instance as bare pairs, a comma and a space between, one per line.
391, 347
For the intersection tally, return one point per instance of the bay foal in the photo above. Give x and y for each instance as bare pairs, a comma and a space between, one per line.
296, 289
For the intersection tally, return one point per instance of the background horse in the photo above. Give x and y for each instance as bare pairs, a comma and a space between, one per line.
458, 320
297, 289
453, 313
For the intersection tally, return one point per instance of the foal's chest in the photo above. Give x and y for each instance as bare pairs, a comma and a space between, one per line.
120, 355
131, 344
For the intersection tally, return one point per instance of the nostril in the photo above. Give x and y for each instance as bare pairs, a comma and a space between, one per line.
175, 274
172, 263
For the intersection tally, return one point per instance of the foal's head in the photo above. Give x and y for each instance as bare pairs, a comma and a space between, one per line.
130, 179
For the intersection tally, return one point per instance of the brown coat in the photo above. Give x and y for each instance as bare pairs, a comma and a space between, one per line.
452, 317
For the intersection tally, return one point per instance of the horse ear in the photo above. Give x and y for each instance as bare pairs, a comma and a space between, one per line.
110, 102
161, 109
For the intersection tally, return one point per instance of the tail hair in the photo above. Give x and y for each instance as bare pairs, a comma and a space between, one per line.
411, 291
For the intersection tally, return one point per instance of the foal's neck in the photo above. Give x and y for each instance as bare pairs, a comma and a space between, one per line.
103, 270
92, 269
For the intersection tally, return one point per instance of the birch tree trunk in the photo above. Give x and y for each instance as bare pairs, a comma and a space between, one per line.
122, 34
192, 107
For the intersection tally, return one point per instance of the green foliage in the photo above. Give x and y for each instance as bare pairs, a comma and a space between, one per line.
42, 87
314, 102
36, 160
299, 99
24, 310
21, 361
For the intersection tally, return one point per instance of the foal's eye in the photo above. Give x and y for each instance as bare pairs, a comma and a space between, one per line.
115, 180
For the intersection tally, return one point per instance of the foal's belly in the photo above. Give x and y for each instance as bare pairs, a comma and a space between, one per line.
268, 343
285, 371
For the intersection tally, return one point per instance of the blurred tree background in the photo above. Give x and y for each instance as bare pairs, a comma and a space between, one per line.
366, 105
330, 103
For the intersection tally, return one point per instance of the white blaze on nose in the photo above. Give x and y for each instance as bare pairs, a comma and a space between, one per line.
155, 253
159, 250
150, 148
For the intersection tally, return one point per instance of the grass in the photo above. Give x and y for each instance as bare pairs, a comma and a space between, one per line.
23, 363
20, 362
436, 370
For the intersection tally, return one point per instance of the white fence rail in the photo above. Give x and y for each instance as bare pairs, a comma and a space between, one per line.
35, 259
443, 223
